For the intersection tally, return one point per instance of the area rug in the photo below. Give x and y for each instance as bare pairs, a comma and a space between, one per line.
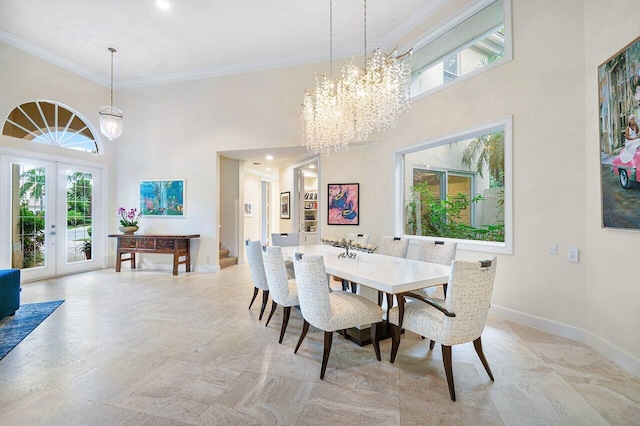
15, 328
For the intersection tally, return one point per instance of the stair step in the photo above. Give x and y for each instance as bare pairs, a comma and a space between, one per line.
228, 261
223, 253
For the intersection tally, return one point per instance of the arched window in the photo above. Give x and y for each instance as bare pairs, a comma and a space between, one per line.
51, 123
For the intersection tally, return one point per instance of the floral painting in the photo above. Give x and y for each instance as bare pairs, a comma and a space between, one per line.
344, 204
163, 198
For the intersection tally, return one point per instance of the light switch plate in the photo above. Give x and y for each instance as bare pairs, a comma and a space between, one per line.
553, 249
573, 253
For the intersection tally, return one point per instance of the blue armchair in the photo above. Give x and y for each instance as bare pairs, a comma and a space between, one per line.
9, 292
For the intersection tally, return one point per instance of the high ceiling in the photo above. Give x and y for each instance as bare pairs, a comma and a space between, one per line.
205, 38
200, 38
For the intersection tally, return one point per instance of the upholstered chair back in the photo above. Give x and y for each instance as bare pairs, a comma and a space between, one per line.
469, 297
285, 240
256, 267
394, 246
362, 239
313, 292
276, 272
440, 252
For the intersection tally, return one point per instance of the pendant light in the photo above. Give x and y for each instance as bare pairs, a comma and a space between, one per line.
111, 117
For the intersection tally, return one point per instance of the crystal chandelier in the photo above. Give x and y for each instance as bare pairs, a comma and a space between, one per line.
339, 112
111, 117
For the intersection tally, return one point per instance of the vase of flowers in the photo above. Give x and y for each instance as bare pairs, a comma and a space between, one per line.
128, 220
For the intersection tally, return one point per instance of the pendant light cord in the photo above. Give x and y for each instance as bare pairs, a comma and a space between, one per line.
365, 36
112, 50
331, 40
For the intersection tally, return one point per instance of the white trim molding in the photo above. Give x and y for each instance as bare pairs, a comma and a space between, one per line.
621, 357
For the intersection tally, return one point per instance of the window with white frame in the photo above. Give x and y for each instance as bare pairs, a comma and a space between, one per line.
473, 40
458, 187
51, 123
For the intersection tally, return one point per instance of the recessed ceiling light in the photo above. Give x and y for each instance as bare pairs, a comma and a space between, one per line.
268, 169
313, 166
269, 157
163, 4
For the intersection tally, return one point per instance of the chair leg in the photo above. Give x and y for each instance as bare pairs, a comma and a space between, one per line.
305, 328
432, 343
274, 305
478, 345
446, 359
379, 298
395, 341
328, 338
345, 285
285, 320
375, 337
255, 294
265, 299
354, 287
444, 290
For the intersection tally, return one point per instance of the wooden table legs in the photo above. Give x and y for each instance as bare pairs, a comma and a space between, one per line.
119, 260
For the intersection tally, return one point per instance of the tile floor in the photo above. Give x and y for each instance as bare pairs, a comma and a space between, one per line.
145, 347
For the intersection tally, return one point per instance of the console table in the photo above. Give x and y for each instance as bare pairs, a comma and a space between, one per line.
178, 245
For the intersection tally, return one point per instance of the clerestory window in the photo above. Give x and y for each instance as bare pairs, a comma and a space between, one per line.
51, 123
472, 42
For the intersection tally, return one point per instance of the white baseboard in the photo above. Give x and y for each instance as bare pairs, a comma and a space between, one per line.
621, 357
611, 351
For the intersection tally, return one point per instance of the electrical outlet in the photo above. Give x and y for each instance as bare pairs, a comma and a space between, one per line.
573, 253
553, 249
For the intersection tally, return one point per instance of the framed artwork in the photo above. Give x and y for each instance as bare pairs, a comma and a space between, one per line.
619, 107
285, 205
248, 209
344, 204
162, 198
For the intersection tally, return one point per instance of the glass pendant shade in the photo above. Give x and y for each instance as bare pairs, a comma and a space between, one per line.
111, 122
110, 116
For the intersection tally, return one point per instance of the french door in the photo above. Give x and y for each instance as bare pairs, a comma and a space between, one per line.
50, 227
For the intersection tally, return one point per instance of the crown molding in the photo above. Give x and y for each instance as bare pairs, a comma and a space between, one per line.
237, 68
388, 40
411, 23
45, 55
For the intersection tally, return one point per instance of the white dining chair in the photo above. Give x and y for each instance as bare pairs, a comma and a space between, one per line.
460, 318
331, 311
440, 252
394, 246
285, 239
283, 290
258, 276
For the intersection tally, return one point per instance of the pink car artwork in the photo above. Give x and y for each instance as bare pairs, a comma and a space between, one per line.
627, 171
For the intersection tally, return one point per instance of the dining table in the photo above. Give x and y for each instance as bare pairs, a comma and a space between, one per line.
376, 272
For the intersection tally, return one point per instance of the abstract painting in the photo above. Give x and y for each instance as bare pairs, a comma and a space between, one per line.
344, 204
162, 198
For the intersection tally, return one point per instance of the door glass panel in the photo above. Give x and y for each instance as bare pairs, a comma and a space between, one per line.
79, 217
459, 190
28, 185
